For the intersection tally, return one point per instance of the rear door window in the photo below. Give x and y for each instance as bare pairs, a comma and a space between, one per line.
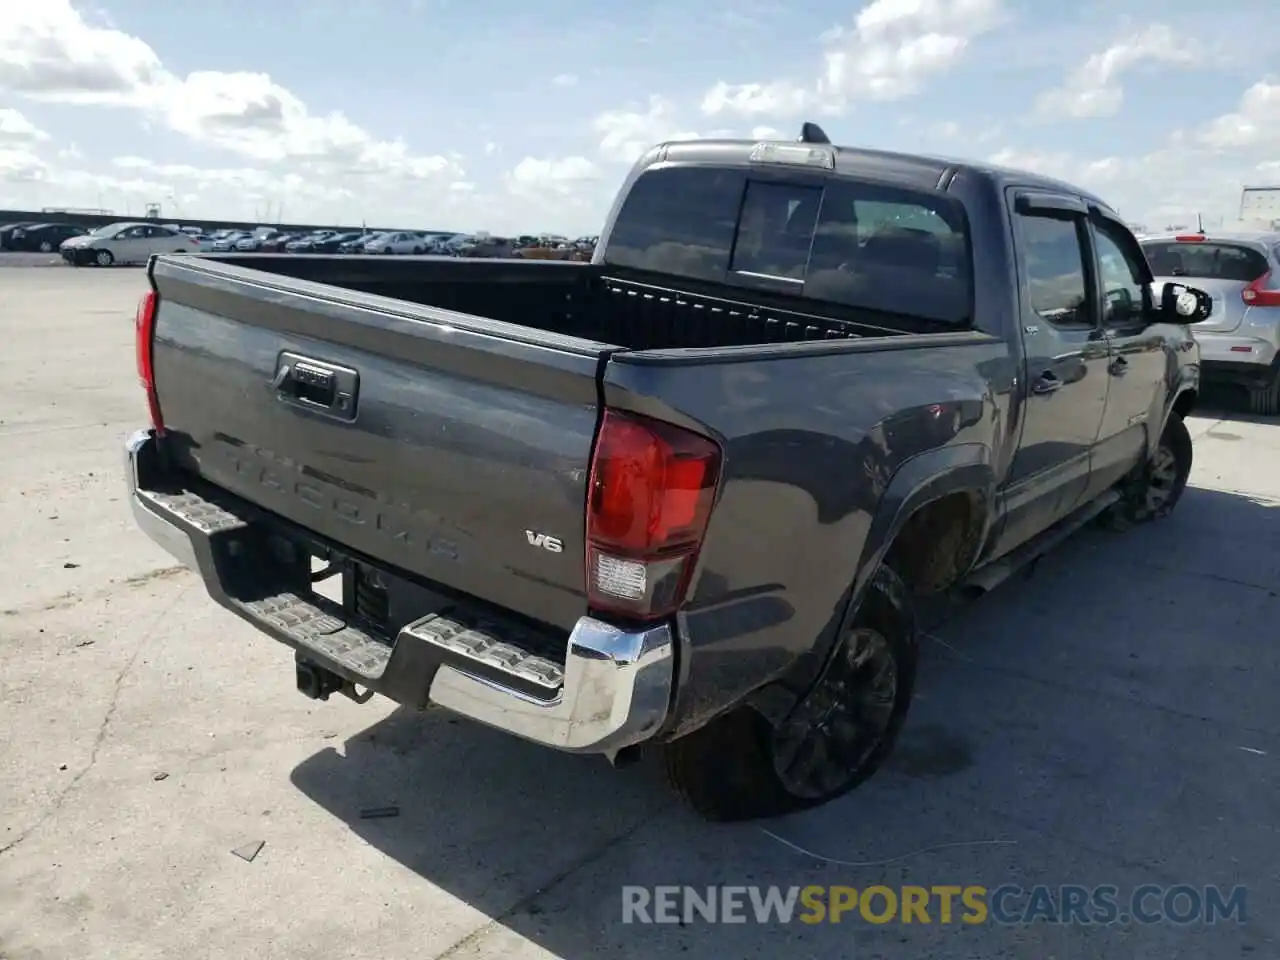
1206, 260
846, 242
892, 249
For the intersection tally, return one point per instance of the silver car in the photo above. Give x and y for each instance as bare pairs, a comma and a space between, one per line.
123, 243
1240, 340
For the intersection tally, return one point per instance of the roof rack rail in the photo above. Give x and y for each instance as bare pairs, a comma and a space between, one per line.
812, 133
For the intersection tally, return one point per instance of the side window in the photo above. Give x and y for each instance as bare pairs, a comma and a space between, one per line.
892, 249
776, 229
1124, 294
678, 220
1055, 270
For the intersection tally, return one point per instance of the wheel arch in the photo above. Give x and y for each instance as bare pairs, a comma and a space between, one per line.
1185, 402
952, 486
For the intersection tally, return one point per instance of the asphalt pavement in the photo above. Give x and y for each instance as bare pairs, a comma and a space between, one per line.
1109, 718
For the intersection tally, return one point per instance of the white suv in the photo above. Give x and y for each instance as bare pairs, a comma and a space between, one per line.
1240, 340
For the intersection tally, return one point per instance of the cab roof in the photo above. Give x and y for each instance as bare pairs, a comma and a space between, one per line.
922, 171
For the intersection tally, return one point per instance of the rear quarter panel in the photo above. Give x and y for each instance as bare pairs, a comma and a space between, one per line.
812, 442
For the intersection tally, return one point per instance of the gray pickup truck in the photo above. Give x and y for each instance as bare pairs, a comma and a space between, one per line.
690, 495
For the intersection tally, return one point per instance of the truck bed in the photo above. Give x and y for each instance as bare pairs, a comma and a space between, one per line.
583, 300
437, 415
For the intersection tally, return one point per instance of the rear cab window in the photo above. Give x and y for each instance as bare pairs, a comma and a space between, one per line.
1206, 260
838, 241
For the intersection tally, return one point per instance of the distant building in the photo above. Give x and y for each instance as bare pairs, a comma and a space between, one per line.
1260, 207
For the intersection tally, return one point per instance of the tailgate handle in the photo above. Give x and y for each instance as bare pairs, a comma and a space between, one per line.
314, 385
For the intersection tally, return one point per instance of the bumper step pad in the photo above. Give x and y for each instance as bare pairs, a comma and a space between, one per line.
312, 628
472, 645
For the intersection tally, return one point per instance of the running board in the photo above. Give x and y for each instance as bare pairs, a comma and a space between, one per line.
993, 574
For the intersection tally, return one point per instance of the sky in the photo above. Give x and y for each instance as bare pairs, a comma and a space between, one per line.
523, 116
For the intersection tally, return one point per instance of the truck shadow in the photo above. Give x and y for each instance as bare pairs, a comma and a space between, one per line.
1067, 725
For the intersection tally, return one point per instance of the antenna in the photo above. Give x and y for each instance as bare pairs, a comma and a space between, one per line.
812, 133
1199, 223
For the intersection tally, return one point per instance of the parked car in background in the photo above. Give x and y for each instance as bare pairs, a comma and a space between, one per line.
357, 243
307, 242
227, 242
259, 241
397, 243
278, 243
439, 244
491, 247
1240, 341
124, 243
44, 237
334, 243
6, 231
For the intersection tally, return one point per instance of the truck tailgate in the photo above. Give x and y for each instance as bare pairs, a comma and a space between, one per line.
452, 447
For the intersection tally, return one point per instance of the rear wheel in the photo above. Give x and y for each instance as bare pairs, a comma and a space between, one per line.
103, 258
46, 246
740, 766
1265, 401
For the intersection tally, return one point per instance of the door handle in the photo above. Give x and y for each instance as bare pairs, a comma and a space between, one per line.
1048, 382
322, 387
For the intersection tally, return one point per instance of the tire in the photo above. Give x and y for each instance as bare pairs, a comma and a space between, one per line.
103, 258
417, 251
729, 770
1159, 486
46, 246
1265, 401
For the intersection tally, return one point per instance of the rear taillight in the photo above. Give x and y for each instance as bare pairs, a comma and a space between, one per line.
650, 497
1257, 293
144, 329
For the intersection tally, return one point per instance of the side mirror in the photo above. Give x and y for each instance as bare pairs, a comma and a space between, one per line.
1182, 304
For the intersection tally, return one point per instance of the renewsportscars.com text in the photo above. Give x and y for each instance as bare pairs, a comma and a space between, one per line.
941, 904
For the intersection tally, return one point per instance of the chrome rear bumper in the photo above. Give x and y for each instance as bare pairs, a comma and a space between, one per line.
612, 691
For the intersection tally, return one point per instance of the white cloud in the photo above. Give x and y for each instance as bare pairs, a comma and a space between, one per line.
15, 128
772, 99
893, 47
18, 166
626, 134
1197, 172
49, 52
565, 80
1255, 123
1093, 89
539, 176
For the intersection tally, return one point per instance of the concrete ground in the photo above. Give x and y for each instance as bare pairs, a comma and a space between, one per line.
1111, 719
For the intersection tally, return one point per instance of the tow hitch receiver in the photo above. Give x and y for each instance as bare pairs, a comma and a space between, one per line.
317, 683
